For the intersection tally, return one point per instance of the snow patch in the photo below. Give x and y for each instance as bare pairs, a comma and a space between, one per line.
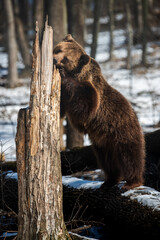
80, 183
12, 175
146, 196
82, 237
8, 234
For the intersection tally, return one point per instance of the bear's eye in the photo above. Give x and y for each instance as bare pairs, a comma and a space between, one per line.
65, 60
57, 50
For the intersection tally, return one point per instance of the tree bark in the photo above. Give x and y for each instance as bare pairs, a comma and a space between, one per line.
129, 35
56, 19
74, 138
75, 14
38, 150
22, 39
76, 17
24, 7
111, 27
39, 15
12, 45
138, 20
144, 33
97, 9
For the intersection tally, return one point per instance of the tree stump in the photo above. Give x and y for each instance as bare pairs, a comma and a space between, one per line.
38, 150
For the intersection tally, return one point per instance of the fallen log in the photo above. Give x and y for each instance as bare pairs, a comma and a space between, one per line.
152, 141
72, 161
152, 173
83, 159
9, 165
120, 215
102, 206
77, 160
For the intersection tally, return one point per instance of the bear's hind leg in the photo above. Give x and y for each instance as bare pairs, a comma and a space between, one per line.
132, 183
135, 178
110, 165
133, 159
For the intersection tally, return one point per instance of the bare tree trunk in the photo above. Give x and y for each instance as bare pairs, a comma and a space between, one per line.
24, 13
75, 13
129, 35
74, 138
56, 18
111, 26
22, 39
12, 45
62, 144
38, 150
145, 28
97, 8
39, 15
138, 20
140, 24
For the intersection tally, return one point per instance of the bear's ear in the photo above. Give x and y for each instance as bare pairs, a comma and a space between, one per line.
84, 59
68, 38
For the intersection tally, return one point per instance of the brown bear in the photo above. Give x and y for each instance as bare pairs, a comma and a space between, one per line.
94, 107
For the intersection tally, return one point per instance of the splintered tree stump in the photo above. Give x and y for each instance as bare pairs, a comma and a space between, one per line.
38, 150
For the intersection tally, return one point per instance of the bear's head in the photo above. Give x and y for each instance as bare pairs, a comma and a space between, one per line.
70, 56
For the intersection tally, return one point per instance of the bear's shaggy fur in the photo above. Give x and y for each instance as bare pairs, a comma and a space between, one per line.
94, 107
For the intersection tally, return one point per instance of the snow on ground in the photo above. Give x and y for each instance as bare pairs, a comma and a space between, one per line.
82, 237
11, 175
143, 91
11, 100
5, 235
80, 183
105, 20
145, 195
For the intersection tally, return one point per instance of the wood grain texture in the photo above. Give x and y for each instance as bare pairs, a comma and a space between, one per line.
38, 150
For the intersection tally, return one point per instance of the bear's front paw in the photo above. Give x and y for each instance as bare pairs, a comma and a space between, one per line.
62, 73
